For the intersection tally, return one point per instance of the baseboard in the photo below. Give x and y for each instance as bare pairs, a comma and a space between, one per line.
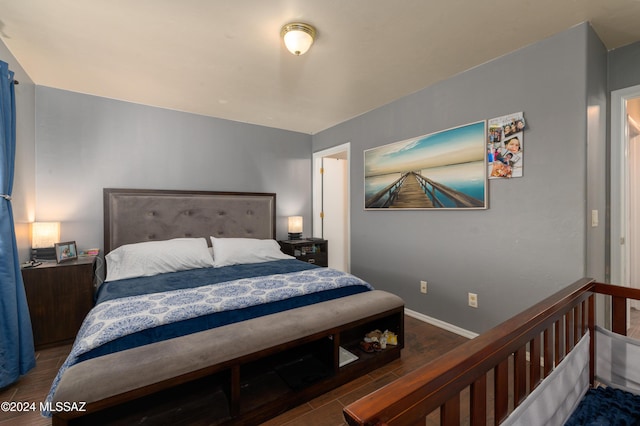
441, 324
452, 328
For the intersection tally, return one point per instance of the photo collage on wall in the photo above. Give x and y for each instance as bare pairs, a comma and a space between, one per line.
505, 146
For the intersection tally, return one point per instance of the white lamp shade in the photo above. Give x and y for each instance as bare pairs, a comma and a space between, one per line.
298, 42
45, 234
295, 224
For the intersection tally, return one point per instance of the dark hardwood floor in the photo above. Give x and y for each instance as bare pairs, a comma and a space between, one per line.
423, 343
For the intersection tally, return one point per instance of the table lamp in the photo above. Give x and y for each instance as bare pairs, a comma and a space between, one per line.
295, 227
44, 235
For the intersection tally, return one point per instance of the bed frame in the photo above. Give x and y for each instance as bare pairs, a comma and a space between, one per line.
137, 215
226, 375
483, 380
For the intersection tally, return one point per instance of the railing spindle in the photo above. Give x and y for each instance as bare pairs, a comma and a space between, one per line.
478, 397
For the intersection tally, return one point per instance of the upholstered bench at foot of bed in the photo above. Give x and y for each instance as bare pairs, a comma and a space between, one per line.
110, 375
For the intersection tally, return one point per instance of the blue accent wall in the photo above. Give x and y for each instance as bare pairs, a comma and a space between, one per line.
87, 143
534, 237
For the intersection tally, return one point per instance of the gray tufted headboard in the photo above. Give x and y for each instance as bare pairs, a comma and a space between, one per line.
138, 215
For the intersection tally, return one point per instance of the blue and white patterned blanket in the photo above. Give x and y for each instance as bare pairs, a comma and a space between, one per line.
116, 318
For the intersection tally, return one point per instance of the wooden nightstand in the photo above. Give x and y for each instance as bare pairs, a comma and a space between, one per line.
59, 296
312, 250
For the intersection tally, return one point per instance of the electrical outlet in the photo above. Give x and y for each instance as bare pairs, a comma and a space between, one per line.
473, 300
423, 287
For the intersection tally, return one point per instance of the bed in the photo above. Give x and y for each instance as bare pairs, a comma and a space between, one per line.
202, 318
552, 364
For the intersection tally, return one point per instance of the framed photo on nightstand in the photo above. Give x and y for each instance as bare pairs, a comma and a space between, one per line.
66, 251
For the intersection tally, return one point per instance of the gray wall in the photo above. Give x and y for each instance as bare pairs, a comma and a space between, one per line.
597, 163
87, 143
624, 64
23, 196
532, 240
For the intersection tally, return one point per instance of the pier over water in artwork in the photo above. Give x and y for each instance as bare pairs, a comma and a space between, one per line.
412, 190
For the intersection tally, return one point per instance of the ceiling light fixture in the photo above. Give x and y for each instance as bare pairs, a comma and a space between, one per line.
298, 37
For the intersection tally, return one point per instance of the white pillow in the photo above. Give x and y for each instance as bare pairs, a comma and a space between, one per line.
233, 251
157, 257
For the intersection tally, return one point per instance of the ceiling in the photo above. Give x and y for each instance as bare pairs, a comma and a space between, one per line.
226, 59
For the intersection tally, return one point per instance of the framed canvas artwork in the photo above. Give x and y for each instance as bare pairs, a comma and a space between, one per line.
443, 170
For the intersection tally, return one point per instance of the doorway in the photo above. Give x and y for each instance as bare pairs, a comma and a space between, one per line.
331, 195
625, 186
633, 137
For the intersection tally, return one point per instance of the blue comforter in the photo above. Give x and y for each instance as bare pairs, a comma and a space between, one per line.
139, 311
196, 278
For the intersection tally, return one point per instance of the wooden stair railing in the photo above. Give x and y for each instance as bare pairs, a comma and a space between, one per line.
460, 380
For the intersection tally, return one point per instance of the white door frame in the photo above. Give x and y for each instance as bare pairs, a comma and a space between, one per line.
619, 230
317, 193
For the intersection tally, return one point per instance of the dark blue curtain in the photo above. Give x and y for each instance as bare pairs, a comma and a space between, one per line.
16, 338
